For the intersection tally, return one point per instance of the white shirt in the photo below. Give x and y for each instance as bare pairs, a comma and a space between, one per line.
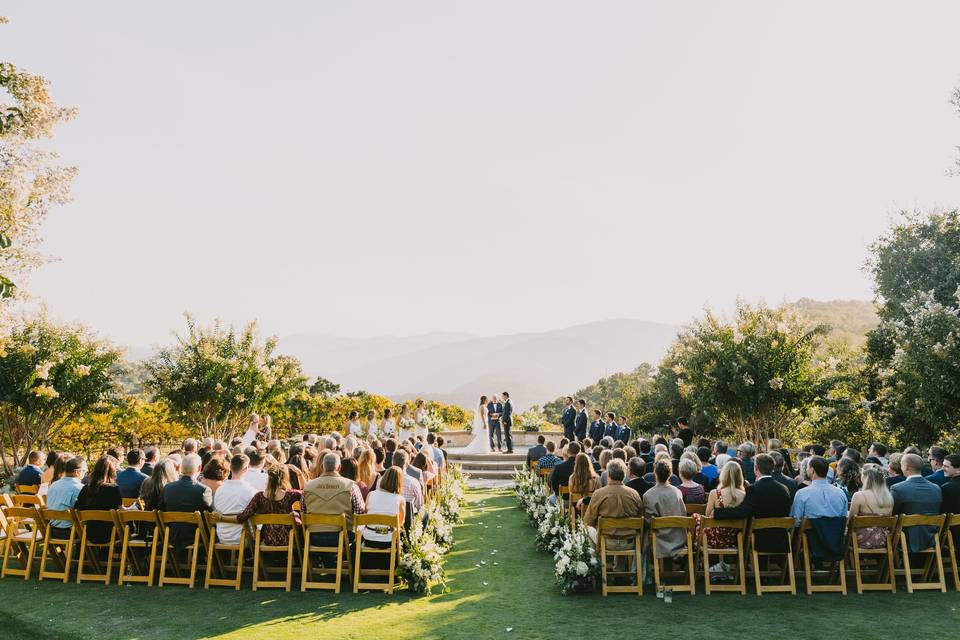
256, 478
381, 503
232, 497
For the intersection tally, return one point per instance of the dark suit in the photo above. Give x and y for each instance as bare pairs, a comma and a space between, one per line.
951, 502
129, 481
580, 425
892, 480
567, 420
185, 495
749, 474
917, 495
937, 477
535, 453
596, 431
507, 420
639, 485
789, 483
492, 408
29, 475
147, 469
610, 430
561, 474
766, 498
623, 434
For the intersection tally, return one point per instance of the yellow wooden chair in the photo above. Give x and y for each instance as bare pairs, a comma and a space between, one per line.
572, 510
840, 565
129, 502
342, 551
947, 541
29, 489
884, 570
23, 531
636, 555
27, 500
137, 537
544, 474
215, 548
692, 509
659, 574
381, 521
88, 548
723, 552
259, 548
788, 578
61, 549
169, 555
934, 553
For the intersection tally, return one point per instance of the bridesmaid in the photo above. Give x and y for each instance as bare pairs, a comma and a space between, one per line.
407, 423
372, 424
389, 425
421, 419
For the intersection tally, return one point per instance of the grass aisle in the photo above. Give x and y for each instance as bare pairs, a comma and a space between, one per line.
517, 592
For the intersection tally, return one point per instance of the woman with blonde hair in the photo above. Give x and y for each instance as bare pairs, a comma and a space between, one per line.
366, 471
874, 499
730, 492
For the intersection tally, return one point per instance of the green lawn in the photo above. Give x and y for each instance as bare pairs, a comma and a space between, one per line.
519, 593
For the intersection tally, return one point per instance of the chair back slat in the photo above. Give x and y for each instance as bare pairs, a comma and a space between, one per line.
29, 489
334, 520
713, 523
180, 517
376, 520
135, 515
696, 508
273, 518
95, 515
785, 522
620, 523
922, 521
672, 522
863, 522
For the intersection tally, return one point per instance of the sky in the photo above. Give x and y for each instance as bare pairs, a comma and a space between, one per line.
370, 168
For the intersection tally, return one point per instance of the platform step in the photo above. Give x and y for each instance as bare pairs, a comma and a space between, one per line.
483, 457
488, 474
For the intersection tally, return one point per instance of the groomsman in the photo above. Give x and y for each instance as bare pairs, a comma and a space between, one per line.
623, 431
610, 428
580, 424
596, 427
568, 418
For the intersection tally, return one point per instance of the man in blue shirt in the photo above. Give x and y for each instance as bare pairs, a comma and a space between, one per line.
707, 468
549, 460
820, 499
130, 479
30, 474
62, 495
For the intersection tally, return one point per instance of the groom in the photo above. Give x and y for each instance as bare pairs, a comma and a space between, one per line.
507, 420
494, 411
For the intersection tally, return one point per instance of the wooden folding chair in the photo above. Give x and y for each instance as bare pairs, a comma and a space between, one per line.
723, 552
788, 577
696, 509
61, 549
636, 554
259, 548
169, 553
88, 549
533, 466
840, 565
883, 556
137, 537
934, 553
952, 522
26, 500
563, 491
544, 474
382, 521
23, 530
342, 551
572, 507
659, 574
29, 489
129, 502
214, 549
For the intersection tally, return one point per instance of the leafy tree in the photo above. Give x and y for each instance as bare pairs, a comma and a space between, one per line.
214, 378
30, 178
324, 387
914, 384
955, 101
618, 393
50, 375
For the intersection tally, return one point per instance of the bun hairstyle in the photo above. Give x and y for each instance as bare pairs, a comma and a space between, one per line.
483, 399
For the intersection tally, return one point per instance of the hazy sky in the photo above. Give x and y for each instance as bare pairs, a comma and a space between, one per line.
364, 168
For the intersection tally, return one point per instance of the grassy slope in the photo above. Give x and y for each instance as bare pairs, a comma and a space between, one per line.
520, 594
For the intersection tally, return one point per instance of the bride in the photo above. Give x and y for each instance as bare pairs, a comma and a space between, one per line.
481, 433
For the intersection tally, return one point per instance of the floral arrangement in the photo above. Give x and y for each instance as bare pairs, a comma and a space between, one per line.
438, 527
532, 495
421, 560
577, 568
434, 422
452, 494
553, 528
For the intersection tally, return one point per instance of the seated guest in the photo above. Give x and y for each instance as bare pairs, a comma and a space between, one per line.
636, 466
778, 475
600, 463
411, 470
691, 490
707, 468
186, 495
916, 495
729, 493
332, 494
62, 494
874, 499
665, 500
298, 467
150, 455
439, 461
745, 453
584, 480
46, 478
549, 460
386, 500
412, 488
950, 490
765, 498
894, 471
651, 477
100, 494
232, 498
215, 472
421, 462
130, 479
390, 447
847, 475
644, 450
277, 498
825, 506
935, 457
561, 472
615, 500
879, 451
151, 491
537, 451
367, 472
30, 474
256, 476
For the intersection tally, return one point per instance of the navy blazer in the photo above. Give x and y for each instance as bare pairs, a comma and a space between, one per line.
913, 496
568, 418
623, 434
507, 417
185, 495
610, 429
596, 431
494, 407
29, 475
580, 424
129, 481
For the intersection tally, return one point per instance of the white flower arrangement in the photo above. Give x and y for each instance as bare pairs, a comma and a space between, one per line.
433, 422
421, 562
553, 527
577, 568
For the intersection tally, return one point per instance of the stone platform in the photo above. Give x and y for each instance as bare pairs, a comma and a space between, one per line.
490, 466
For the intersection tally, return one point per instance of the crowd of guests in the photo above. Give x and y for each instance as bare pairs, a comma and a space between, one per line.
826, 484
330, 474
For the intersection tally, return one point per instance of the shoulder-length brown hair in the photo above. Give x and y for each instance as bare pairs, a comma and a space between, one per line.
391, 481
583, 474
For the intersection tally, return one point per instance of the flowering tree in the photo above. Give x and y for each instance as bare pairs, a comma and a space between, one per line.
756, 374
30, 178
213, 379
49, 376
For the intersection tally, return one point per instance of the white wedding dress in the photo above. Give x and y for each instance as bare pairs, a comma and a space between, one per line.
481, 433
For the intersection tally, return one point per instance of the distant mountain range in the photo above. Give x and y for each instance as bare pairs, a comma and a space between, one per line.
457, 368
